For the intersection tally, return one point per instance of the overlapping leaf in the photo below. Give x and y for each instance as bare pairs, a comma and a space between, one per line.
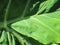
44, 28
3, 38
46, 5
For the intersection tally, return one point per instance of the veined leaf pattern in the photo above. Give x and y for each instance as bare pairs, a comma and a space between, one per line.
40, 27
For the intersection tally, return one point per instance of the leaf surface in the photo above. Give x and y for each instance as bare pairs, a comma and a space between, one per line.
44, 28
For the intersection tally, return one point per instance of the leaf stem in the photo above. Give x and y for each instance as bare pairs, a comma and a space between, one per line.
19, 18
25, 10
23, 14
6, 13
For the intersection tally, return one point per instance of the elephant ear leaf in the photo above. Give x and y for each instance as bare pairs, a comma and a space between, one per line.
44, 28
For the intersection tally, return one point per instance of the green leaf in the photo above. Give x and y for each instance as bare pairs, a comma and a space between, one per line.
21, 39
46, 5
50, 4
44, 28
3, 37
9, 38
13, 40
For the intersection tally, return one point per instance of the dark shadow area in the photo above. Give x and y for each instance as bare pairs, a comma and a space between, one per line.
30, 13
3, 4
17, 42
33, 41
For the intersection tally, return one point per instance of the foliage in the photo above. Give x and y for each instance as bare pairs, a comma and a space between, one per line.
29, 22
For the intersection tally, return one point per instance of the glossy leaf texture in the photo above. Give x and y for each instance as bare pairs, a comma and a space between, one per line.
44, 28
